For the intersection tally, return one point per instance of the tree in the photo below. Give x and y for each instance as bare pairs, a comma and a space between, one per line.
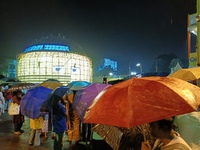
162, 62
183, 63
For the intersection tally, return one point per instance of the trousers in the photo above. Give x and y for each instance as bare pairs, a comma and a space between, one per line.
58, 141
35, 137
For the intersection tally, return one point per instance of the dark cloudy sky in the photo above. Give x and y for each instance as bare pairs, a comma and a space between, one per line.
127, 31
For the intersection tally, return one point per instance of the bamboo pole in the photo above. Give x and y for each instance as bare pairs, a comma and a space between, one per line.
198, 32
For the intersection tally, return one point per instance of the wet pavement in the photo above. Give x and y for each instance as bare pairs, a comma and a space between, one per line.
10, 141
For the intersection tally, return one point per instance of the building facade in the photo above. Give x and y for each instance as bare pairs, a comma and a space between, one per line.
48, 61
8, 67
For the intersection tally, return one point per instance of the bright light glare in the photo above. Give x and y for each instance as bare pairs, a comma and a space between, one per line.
133, 73
138, 64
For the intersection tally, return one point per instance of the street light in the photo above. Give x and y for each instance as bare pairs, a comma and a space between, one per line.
110, 73
139, 65
133, 73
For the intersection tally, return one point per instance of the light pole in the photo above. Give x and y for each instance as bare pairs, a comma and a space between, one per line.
198, 31
139, 65
129, 69
156, 63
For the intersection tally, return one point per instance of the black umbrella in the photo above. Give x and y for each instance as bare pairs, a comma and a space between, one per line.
56, 95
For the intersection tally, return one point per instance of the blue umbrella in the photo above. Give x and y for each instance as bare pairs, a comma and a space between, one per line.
77, 85
56, 95
32, 101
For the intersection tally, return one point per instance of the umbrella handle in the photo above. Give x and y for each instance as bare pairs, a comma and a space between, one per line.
144, 134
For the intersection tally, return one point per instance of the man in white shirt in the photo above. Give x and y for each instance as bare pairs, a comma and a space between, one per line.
168, 138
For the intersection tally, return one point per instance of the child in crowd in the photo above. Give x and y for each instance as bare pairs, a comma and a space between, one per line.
46, 125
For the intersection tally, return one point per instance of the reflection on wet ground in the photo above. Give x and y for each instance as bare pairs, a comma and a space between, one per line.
20, 142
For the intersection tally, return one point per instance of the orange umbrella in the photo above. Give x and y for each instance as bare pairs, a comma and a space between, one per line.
188, 74
142, 100
51, 84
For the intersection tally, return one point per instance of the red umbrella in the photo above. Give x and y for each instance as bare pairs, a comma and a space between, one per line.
142, 100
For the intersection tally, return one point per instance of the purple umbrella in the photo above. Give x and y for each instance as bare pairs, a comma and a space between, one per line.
32, 101
85, 96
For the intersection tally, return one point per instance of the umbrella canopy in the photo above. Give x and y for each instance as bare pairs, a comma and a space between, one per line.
77, 85
32, 101
56, 95
9, 81
85, 96
188, 74
21, 86
111, 134
142, 100
51, 84
124, 138
60, 91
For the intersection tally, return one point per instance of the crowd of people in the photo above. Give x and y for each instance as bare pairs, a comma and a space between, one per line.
180, 132
62, 117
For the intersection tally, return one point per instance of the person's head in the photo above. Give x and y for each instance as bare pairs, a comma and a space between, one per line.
1, 89
64, 99
19, 94
161, 128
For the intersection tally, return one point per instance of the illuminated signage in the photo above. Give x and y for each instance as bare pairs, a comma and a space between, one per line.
192, 19
47, 47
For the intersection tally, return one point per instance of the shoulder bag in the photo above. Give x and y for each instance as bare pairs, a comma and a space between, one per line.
13, 109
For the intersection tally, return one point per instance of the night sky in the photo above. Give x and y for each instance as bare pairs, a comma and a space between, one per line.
127, 31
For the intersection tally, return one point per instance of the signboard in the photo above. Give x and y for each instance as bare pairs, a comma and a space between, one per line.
192, 19
192, 60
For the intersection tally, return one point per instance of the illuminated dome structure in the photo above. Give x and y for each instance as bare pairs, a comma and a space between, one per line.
53, 61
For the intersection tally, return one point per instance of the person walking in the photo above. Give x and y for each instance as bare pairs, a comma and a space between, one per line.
17, 120
59, 124
73, 120
36, 126
86, 132
8, 97
2, 102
